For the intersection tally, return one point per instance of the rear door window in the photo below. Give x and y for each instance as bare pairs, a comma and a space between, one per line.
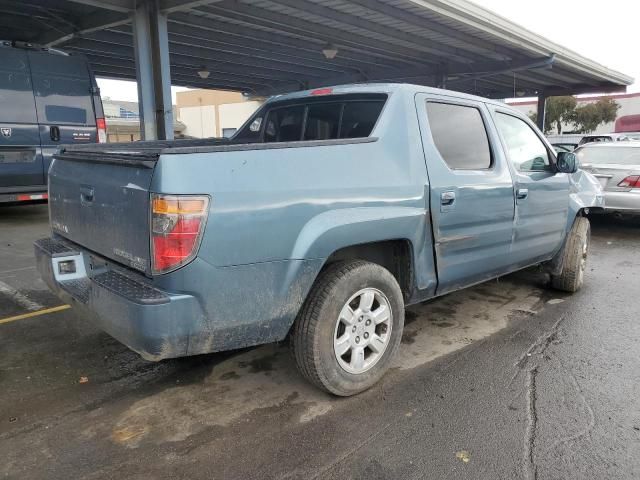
284, 124
359, 118
460, 136
323, 121
16, 94
63, 90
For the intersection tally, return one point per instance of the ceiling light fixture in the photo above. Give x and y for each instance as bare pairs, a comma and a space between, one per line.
204, 73
330, 51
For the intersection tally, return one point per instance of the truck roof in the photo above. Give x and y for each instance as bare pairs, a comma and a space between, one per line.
380, 88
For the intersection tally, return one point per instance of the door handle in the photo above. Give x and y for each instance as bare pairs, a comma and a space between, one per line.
447, 198
54, 133
86, 194
522, 193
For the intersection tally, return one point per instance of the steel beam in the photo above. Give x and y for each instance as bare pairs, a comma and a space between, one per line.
234, 36
171, 6
92, 23
314, 31
183, 81
151, 47
471, 42
411, 41
542, 110
185, 65
205, 55
179, 35
114, 5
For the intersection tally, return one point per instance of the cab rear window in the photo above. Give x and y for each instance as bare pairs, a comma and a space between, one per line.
328, 118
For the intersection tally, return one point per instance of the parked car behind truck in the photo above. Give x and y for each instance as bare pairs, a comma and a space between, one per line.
47, 98
327, 213
617, 167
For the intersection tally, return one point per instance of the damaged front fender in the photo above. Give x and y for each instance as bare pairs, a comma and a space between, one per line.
585, 192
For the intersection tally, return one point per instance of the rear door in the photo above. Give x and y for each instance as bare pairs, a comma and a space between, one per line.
471, 191
64, 101
20, 154
542, 194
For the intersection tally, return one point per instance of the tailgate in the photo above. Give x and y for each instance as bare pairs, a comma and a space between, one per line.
100, 200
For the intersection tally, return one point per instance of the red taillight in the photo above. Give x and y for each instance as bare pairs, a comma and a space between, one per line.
32, 196
101, 125
632, 181
177, 224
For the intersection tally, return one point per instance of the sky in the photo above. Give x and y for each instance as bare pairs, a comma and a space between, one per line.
606, 32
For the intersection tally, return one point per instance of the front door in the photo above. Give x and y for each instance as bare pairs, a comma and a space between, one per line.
542, 194
471, 191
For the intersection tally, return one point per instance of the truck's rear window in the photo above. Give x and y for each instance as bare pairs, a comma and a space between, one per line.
314, 119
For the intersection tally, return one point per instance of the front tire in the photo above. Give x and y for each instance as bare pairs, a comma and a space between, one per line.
574, 259
348, 331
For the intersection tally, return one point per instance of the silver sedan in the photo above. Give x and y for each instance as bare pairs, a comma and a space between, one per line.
617, 167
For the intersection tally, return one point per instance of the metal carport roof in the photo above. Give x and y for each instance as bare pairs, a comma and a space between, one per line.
271, 46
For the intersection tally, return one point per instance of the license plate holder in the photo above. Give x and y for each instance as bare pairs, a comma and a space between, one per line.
68, 266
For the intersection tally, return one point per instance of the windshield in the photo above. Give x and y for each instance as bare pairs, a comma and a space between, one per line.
615, 155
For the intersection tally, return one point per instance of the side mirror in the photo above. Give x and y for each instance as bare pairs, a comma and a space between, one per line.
567, 162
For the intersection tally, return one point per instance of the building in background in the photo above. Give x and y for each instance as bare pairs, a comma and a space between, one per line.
213, 113
123, 121
628, 119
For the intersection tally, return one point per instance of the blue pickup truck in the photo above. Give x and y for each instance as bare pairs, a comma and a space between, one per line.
327, 213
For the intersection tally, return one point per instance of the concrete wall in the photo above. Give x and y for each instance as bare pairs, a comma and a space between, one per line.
233, 115
200, 121
207, 113
629, 105
195, 98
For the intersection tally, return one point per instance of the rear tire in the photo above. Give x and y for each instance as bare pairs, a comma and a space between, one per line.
574, 259
349, 329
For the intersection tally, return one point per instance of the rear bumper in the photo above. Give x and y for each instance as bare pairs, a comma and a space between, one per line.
628, 202
24, 196
154, 323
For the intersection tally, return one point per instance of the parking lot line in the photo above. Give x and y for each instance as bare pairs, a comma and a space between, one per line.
19, 298
44, 311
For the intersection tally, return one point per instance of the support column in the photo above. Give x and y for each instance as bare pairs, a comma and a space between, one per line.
441, 77
542, 110
151, 47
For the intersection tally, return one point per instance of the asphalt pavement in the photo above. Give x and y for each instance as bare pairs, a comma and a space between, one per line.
506, 380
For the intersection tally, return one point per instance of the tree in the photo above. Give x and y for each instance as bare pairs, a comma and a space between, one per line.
586, 118
583, 118
559, 110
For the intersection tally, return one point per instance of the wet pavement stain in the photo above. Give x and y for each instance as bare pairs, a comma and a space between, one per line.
409, 337
410, 316
261, 364
444, 324
232, 375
